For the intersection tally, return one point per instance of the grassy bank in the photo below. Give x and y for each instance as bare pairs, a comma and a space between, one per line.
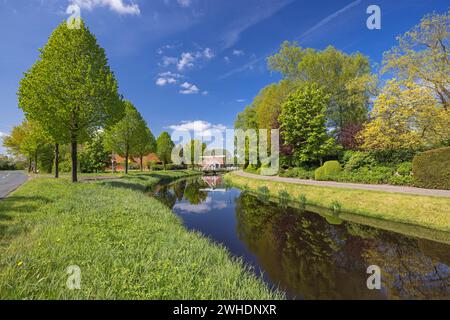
127, 245
423, 211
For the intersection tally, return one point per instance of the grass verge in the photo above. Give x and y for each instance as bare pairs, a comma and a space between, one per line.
425, 211
127, 245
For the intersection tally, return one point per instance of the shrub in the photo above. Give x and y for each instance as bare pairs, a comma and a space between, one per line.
404, 169
431, 169
401, 180
263, 193
7, 163
328, 171
172, 166
357, 159
303, 201
284, 198
300, 173
374, 175
251, 169
393, 156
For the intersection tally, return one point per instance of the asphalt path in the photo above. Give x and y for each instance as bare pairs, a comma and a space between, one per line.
10, 181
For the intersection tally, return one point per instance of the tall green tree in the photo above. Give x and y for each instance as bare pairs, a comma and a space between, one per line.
303, 123
423, 56
145, 143
345, 78
95, 157
29, 140
71, 90
197, 149
126, 135
164, 147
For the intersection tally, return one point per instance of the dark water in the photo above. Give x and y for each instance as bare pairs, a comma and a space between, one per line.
306, 255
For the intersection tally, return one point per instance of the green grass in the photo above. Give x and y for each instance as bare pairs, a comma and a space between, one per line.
127, 244
424, 211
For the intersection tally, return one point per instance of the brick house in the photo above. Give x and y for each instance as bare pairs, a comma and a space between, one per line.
118, 162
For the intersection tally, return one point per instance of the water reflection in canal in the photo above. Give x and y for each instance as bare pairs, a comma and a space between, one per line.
304, 254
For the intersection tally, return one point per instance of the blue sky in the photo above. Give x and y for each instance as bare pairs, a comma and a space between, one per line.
196, 63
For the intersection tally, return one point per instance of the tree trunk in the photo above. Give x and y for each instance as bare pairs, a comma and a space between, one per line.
126, 161
74, 151
29, 164
56, 160
35, 162
142, 167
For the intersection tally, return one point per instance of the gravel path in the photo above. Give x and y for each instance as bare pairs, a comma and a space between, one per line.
372, 187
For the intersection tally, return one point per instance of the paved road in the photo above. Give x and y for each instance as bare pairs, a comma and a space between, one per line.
10, 181
373, 187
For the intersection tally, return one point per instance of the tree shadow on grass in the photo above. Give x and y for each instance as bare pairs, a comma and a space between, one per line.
125, 185
21, 204
12, 209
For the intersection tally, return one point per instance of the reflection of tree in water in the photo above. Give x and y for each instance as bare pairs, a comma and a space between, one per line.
192, 191
185, 189
166, 195
312, 259
411, 268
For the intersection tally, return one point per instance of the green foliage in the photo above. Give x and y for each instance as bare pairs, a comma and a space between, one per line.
95, 157
284, 198
164, 147
246, 119
30, 140
431, 169
345, 78
298, 172
145, 141
336, 207
302, 123
328, 171
303, 201
404, 169
130, 136
71, 90
103, 228
401, 180
421, 56
373, 175
251, 169
354, 160
7, 163
263, 193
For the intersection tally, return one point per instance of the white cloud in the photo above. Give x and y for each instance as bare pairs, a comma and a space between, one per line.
227, 59
189, 88
197, 126
208, 53
167, 78
115, 5
184, 3
206, 206
205, 93
238, 53
241, 100
185, 61
167, 61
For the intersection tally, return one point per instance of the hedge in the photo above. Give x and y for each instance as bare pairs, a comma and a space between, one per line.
431, 169
328, 171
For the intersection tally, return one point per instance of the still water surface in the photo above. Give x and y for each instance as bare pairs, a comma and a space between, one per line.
304, 254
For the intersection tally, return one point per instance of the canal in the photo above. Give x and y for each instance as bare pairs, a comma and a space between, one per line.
305, 254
